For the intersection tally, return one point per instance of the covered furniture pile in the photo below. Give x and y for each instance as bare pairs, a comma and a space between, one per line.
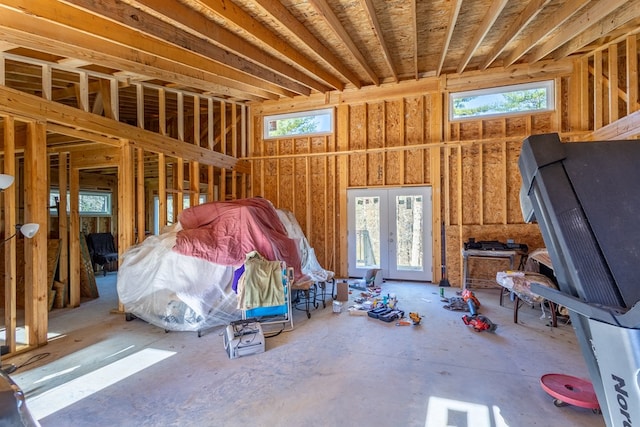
182, 279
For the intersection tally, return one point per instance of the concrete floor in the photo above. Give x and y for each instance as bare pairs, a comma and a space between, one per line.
332, 370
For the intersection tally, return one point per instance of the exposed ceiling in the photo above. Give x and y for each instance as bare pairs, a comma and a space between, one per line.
254, 50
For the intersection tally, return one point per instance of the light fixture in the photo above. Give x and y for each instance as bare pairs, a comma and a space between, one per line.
5, 181
28, 230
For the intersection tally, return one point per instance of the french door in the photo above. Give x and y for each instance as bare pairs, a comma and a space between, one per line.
390, 229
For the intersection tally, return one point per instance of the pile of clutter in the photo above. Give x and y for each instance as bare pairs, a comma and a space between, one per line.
375, 305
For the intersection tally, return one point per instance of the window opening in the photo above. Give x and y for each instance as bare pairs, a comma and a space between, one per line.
504, 100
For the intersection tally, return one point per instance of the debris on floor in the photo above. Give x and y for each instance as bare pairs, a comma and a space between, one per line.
373, 304
467, 301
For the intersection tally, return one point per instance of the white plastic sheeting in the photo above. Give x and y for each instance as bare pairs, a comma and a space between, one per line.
184, 293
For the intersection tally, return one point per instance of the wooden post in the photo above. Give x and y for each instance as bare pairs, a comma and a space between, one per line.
126, 202
10, 268
342, 172
36, 210
63, 221
75, 259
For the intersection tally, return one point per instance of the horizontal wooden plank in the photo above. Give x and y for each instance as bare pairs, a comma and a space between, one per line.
23, 104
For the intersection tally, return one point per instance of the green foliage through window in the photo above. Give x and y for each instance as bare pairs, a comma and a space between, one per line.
529, 97
301, 123
90, 202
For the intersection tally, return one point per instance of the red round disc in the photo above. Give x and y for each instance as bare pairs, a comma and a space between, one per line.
571, 390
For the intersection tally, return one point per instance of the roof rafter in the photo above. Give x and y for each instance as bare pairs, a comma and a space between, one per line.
485, 26
238, 17
201, 26
453, 18
522, 21
180, 45
375, 26
277, 10
629, 11
560, 16
325, 11
598, 10
21, 29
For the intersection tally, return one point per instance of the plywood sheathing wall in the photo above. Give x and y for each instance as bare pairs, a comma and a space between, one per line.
370, 148
392, 138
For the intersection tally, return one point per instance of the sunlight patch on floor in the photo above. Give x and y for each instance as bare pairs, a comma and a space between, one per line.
66, 394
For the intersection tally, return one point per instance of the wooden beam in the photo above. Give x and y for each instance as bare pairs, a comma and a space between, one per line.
568, 9
453, 18
632, 74
36, 210
34, 33
126, 198
489, 19
246, 22
16, 102
627, 12
324, 10
597, 11
75, 259
136, 38
598, 98
370, 10
204, 28
281, 14
520, 23
627, 127
10, 252
612, 61
141, 208
63, 219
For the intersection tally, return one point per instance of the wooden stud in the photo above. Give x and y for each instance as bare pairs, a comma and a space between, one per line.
598, 109
162, 191
140, 197
46, 82
584, 90
613, 82
36, 210
342, 174
632, 74
10, 265
74, 230
63, 219
223, 149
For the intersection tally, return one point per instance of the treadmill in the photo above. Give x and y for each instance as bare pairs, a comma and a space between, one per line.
585, 196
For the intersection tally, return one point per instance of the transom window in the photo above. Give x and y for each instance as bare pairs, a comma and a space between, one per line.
504, 100
93, 203
300, 123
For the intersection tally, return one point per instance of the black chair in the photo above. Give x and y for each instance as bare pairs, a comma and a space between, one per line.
102, 249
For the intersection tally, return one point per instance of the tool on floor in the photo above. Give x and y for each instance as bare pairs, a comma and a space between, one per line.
471, 300
480, 323
415, 318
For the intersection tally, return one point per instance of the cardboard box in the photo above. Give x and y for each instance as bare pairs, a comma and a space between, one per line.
342, 293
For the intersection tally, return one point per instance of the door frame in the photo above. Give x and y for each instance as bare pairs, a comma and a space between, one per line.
387, 194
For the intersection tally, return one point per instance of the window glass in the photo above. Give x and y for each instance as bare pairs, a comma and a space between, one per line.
300, 123
94, 203
530, 97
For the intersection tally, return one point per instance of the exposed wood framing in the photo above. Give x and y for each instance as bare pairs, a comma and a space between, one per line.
36, 210
10, 266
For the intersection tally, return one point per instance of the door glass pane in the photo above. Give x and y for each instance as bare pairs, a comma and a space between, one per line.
409, 233
367, 215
